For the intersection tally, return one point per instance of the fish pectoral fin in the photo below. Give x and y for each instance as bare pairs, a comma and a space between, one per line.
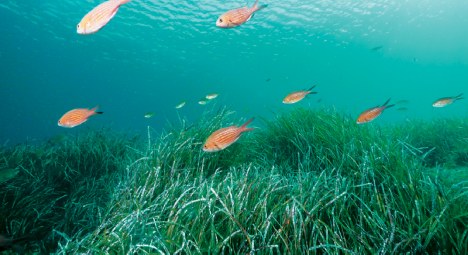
234, 23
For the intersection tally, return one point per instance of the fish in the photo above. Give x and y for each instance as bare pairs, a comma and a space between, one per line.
180, 105
377, 48
372, 113
224, 137
402, 109
444, 101
8, 174
211, 96
16, 245
403, 101
98, 17
149, 115
5, 243
297, 96
202, 102
77, 117
237, 17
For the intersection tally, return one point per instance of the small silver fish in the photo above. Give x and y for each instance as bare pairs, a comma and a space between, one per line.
180, 105
211, 96
442, 102
149, 115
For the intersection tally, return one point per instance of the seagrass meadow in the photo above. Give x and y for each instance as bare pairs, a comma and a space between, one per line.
305, 182
119, 124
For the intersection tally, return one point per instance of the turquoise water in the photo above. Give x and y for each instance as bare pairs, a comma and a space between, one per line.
154, 54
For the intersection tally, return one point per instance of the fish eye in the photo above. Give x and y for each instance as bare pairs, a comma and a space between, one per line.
221, 20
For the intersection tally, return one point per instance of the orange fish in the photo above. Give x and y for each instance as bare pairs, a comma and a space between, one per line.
224, 137
297, 96
442, 102
99, 16
236, 17
372, 113
76, 117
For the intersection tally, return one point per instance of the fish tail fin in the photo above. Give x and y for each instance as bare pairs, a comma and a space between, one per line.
257, 7
459, 96
95, 111
310, 90
244, 127
255, 4
386, 103
123, 1
388, 106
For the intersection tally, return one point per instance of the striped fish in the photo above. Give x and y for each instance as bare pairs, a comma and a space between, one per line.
442, 102
99, 16
224, 137
236, 17
372, 113
77, 117
297, 96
